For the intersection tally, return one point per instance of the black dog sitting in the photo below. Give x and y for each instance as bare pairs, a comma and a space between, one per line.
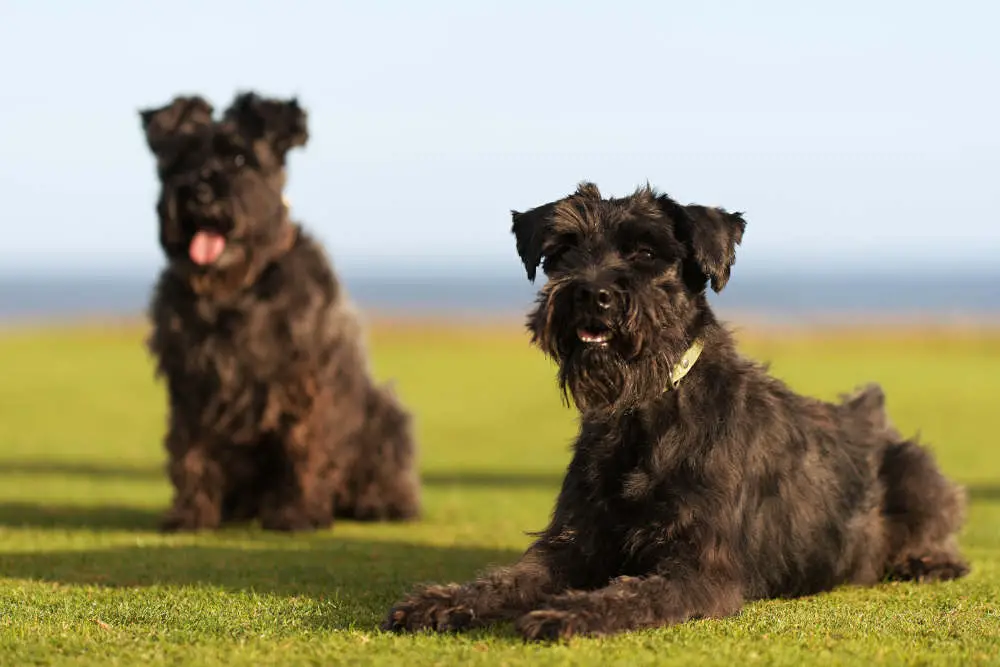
698, 481
273, 413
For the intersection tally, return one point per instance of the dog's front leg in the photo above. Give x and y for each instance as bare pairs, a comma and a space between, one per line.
504, 593
301, 494
198, 481
631, 603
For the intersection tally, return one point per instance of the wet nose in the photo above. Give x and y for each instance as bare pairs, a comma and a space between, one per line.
597, 296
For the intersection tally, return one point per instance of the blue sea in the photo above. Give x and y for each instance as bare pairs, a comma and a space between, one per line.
781, 296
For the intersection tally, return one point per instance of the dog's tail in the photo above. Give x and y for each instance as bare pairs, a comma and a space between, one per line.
866, 405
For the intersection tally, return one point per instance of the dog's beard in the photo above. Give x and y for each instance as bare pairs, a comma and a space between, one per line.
600, 378
621, 367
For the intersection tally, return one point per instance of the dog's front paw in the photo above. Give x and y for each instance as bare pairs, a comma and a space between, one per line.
434, 609
172, 523
186, 522
293, 520
551, 625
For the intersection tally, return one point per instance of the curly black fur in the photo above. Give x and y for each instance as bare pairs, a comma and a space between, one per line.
684, 503
273, 412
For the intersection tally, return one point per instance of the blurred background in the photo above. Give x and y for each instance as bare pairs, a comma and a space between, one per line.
860, 139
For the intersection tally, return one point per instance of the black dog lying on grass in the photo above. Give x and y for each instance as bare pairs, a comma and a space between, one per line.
698, 481
273, 412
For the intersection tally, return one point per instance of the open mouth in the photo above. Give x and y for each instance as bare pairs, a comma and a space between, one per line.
594, 334
206, 247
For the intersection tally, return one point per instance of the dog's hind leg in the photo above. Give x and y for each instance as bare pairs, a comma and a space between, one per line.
631, 603
923, 513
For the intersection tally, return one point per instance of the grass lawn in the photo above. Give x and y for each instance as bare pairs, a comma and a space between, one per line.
86, 579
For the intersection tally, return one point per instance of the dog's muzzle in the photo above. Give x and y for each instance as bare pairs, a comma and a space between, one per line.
597, 307
595, 297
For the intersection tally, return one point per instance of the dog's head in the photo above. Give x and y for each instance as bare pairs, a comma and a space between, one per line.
221, 207
625, 294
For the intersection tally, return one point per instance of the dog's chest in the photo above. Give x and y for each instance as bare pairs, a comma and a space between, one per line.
615, 464
219, 362
625, 500
233, 346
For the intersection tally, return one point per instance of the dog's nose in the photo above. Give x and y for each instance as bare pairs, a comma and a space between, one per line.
203, 192
597, 296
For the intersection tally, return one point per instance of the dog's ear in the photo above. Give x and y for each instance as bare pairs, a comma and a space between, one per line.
282, 123
182, 117
530, 229
710, 234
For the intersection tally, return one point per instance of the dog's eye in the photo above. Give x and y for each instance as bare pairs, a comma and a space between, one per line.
551, 262
643, 254
239, 160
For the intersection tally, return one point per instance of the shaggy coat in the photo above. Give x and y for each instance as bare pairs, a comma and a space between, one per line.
273, 411
692, 488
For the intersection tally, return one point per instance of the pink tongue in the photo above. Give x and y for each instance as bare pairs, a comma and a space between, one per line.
206, 247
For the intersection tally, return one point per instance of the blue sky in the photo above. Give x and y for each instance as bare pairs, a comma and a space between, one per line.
848, 131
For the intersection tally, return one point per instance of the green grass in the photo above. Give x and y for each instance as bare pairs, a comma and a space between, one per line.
84, 577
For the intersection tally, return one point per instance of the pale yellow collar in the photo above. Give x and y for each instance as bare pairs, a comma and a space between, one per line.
684, 366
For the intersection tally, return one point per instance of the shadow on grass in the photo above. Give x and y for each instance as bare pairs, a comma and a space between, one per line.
479, 478
495, 480
984, 493
83, 469
76, 517
124, 518
473, 479
353, 582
